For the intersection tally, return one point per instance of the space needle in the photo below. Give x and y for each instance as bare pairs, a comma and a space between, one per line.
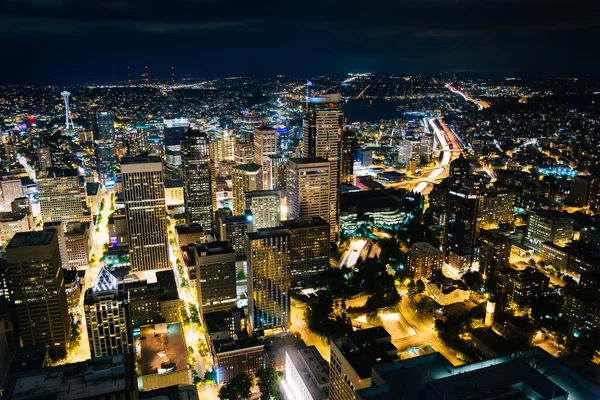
68, 121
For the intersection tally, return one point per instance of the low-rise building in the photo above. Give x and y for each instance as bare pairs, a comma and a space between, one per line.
191, 234
373, 208
549, 226
522, 285
11, 223
571, 260
163, 356
154, 302
79, 244
446, 291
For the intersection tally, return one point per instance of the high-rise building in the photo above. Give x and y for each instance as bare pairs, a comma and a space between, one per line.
174, 131
427, 149
309, 251
244, 178
197, 180
233, 229
248, 121
494, 252
495, 209
106, 307
228, 145
277, 164
62, 196
36, 285
61, 229
461, 223
322, 135
11, 189
265, 145
44, 158
309, 190
244, 153
146, 213
104, 137
269, 279
265, 205
306, 375
154, 302
347, 158
423, 261
216, 274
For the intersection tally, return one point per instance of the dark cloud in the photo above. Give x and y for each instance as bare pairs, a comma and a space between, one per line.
76, 40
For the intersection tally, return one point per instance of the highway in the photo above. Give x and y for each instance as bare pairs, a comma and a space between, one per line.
480, 103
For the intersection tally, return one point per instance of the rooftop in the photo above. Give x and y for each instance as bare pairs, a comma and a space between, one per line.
248, 167
29, 239
309, 160
92, 188
163, 348
89, 379
141, 159
421, 249
268, 232
225, 345
304, 223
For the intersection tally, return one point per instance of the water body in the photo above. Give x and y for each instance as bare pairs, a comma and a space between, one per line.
367, 111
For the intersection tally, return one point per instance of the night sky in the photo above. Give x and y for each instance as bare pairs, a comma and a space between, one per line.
67, 42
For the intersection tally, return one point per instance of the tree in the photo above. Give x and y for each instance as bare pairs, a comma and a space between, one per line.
268, 383
420, 286
412, 289
474, 280
210, 377
238, 387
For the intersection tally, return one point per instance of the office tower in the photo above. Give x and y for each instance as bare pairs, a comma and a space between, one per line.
21, 206
265, 145
233, 229
244, 178
11, 190
198, 190
44, 158
322, 134
461, 228
12, 223
156, 146
215, 150
173, 132
105, 148
306, 375
494, 252
60, 228
579, 193
265, 205
526, 284
248, 121
269, 279
548, 226
309, 251
145, 210
228, 145
216, 275
309, 190
277, 164
594, 194
106, 307
78, 237
423, 261
36, 286
62, 196
404, 151
352, 358
347, 161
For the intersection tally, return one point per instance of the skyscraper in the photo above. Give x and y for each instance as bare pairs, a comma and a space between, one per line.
461, 224
216, 274
174, 131
269, 279
277, 164
198, 190
105, 148
265, 145
233, 229
248, 121
244, 178
36, 285
106, 306
309, 251
494, 252
347, 158
309, 189
145, 210
62, 196
322, 135
265, 206
44, 158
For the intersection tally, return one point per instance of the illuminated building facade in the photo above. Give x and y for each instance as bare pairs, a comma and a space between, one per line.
106, 307
269, 279
36, 286
265, 145
62, 196
197, 180
347, 157
265, 205
233, 229
244, 178
145, 210
494, 252
104, 136
322, 136
423, 261
548, 226
216, 275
